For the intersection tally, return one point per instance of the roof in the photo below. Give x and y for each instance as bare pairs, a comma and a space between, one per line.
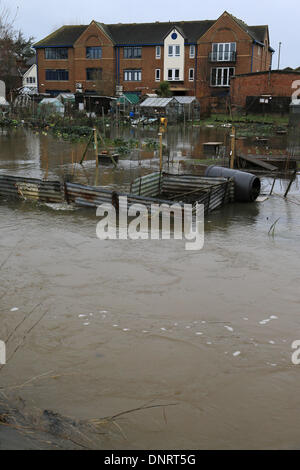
53, 101
133, 98
145, 33
185, 99
65, 36
256, 32
153, 33
156, 102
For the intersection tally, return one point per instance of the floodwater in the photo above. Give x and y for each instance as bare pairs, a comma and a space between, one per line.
197, 343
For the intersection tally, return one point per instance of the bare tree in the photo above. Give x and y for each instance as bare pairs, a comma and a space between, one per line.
15, 49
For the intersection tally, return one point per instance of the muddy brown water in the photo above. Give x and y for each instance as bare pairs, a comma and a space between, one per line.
98, 328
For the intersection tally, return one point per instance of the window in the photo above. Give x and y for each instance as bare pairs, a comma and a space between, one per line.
132, 75
192, 51
93, 74
174, 51
157, 75
191, 75
30, 80
57, 75
157, 52
220, 76
173, 75
94, 52
56, 53
223, 52
132, 52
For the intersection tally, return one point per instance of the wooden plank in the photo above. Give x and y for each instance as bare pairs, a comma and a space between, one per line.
258, 162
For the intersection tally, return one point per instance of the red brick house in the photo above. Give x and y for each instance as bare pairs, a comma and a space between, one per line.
196, 57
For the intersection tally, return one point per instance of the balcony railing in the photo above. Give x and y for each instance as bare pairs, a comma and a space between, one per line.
222, 56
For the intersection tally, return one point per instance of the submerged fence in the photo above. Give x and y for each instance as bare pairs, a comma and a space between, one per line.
156, 188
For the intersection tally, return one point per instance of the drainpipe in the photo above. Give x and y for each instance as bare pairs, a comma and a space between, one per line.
252, 57
196, 69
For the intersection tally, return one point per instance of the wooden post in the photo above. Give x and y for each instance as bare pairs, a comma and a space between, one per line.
232, 147
96, 146
96, 154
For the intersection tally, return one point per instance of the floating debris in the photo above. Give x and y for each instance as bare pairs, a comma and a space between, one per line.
229, 328
237, 353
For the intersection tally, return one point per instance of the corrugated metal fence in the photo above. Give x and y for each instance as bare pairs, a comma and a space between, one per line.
31, 189
151, 189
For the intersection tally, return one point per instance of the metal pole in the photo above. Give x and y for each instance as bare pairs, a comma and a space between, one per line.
279, 50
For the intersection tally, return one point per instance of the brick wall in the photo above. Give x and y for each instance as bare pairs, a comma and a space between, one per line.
77, 63
275, 83
249, 56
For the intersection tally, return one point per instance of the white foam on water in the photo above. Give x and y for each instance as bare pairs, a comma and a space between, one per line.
115, 326
163, 329
245, 318
86, 324
126, 329
264, 322
229, 328
237, 353
273, 317
82, 316
199, 333
208, 342
272, 342
103, 311
188, 327
14, 309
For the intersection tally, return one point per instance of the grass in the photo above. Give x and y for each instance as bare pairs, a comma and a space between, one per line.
271, 119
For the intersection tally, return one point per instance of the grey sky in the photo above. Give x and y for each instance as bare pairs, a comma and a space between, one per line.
39, 18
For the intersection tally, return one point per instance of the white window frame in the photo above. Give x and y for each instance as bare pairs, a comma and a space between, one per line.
157, 75
173, 73
221, 54
132, 75
221, 69
157, 52
191, 75
192, 51
174, 50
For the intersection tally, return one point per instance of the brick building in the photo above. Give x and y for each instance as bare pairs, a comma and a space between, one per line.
275, 87
196, 57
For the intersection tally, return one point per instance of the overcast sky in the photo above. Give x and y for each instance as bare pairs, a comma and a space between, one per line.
38, 18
